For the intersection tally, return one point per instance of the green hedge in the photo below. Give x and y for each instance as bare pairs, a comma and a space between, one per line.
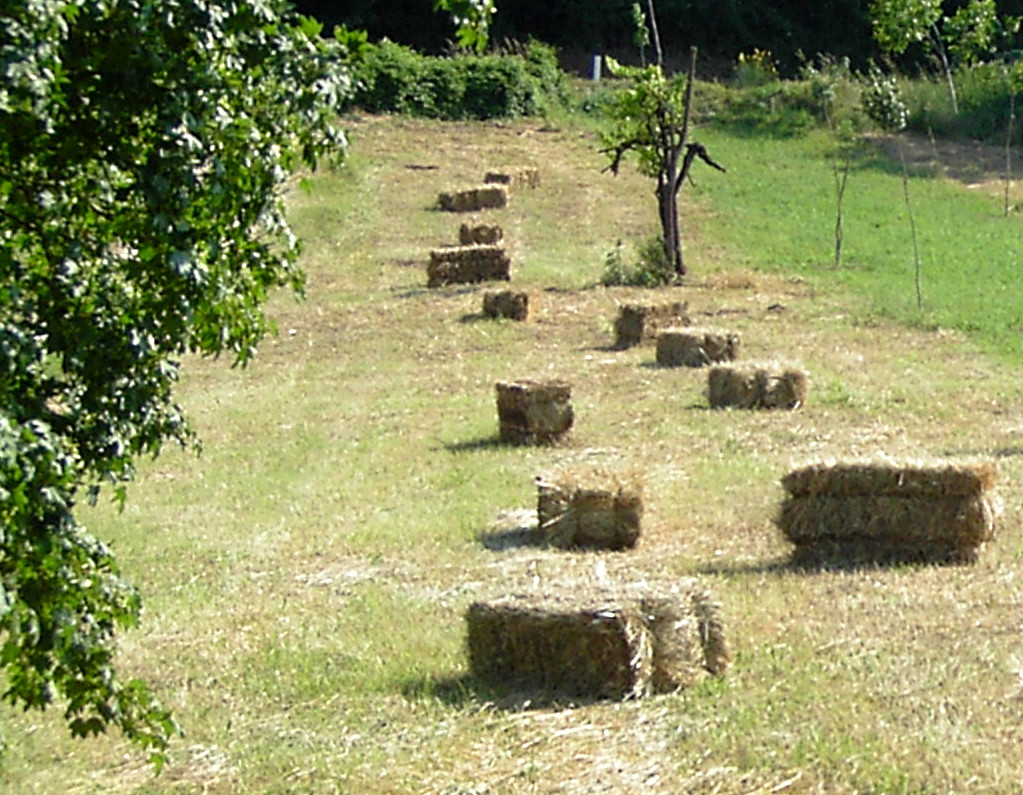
393, 78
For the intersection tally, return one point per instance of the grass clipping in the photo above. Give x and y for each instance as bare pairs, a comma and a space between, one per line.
590, 510
890, 511
599, 642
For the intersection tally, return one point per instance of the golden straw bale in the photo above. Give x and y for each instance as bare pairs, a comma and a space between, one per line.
472, 200
597, 510
884, 477
600, 642
751, 386
886, 511
534, 412
506, 303
467, 265
692, 347
638, 322
514, 177
480, 234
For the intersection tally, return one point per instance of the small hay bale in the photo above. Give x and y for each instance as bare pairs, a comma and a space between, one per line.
467, 265
599, 642
884, 511
757, 386
595, 510
534, 412
638, 322
506, 303
471, 200
695, 347
480, 235
514, 177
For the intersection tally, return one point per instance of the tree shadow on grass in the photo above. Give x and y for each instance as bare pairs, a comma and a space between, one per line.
493, 442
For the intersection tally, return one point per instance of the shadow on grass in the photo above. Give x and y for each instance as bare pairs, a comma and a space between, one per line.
493, 442
847, 558
512, 538
468, 690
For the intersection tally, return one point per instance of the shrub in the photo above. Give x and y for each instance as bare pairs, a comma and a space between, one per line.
396, 79
652, 270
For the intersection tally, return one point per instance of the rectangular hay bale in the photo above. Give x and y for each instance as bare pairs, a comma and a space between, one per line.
480, 234
534, 412
467, 265
471, 200
599, 642
514, 177
506, 303
692, 347
887, 511
596, 511
638, 322
757, 386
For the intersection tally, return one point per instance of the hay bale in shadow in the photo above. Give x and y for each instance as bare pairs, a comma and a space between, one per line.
757, 386
695, 347
638, 322
514, 177
471, 200
599, 642
480, 235
592, 510
534, 412
467, 265
885, 511
506, 303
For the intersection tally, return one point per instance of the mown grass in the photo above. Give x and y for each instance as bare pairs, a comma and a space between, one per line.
306, 578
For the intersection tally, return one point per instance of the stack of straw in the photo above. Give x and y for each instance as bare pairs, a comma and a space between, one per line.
534, 412
506, 303
599, 642
637, 322
757, 386
467, 265
888, 511
514, 177
595, 510
485, 197
480, 235
692, 347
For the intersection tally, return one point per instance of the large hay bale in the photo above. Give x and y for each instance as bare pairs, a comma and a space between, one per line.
514, 177
757, 386
506, 303
467, 265
591, 510
534, 412
599, 642
638, 322
691, 347
890, 511
471, 200
480, 235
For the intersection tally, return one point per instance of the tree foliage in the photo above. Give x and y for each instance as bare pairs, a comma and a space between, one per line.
144, 145
650, 121
472, 21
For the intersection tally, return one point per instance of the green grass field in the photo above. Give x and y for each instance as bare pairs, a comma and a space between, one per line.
305, 579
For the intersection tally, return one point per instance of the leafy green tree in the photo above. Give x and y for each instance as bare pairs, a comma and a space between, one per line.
144, 146
472, 21
973, 32
650, 119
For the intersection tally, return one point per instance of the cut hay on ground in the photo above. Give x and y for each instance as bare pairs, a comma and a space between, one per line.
467, 265
534, 412
590, 510
757, 386
506, 303
890, 511
480, 234
600, 642
638, 322
692, 347
471, 200
514, 177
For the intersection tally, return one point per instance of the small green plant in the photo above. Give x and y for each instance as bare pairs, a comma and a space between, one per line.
653, 268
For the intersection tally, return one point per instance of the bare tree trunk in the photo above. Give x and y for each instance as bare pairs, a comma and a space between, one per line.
657, 36
946, 67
